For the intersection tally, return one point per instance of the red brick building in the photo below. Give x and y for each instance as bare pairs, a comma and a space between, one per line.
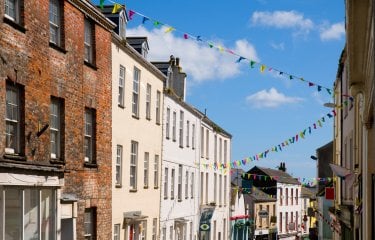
55, 111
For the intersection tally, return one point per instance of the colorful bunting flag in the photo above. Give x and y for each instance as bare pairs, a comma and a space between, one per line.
116, 8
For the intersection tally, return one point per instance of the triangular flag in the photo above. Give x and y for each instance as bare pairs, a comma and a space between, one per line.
311, 84
101, 4
329, 91
210, 45
319, 88
186, 36
252, 64
199, 38
131, 13
290, 77
145, 19
262, 68
156, 23
221, 49
170, 29
240, 59
281, 73
116, 8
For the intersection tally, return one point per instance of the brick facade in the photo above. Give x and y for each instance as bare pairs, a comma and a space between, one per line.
28, 60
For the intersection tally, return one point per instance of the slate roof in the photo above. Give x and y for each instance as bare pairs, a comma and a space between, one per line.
283, 177
260, 196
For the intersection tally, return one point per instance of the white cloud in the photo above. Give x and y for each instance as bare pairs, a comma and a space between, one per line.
200, 62
278, 46
282, 20
333, 32
270, 99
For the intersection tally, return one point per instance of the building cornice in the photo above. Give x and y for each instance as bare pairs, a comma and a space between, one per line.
121, 43
91, 11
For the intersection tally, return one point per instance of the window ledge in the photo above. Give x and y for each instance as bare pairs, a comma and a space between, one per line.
90, 165
121, 106
15, 25
133, 190
57, 47
57, 161
118, 186
156, 187
158, 123
145, 187
91, 65
135, 117
14, 157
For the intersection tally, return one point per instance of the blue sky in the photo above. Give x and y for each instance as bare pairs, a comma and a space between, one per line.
301, 37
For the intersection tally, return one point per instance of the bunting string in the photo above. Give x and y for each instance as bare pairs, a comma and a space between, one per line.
251, 63
332, 224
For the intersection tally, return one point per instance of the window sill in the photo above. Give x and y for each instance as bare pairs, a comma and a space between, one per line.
158, 123
121, 106
14, 157
15, 25
181, 147
118, 186
145, 187
135, 117
133, 190
156, 187
91, 65
57, 161
148, 119
90, 165
57, 47
179, 200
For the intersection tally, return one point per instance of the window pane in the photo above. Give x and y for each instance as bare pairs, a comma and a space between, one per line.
48, 211
13, 214
31, 216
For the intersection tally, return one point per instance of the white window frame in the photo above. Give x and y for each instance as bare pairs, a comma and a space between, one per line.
225, 190
187, 133
215, 188
225, 151
181, 129
143, 232
148, 101
167, 123
207, 144
165, 190
135, 96
158, 106
146, 166
55, 22
192, 185
121, 86
174, 126
154, 228
89, 40
186, 184
89, 223
133, 165
156, 171
12, 121
193, 136
12, 14
173, 175
215, 148
202, 142
118, 175
220, 189
116, 232
179, 183
55, 127
89, 143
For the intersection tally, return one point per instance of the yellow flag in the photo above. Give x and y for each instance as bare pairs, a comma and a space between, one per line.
262, 68
170, 29
116, 7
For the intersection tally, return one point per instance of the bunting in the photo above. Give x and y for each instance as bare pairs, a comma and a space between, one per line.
116, 7
252, 62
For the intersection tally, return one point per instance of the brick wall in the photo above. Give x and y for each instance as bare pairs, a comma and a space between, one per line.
27, 59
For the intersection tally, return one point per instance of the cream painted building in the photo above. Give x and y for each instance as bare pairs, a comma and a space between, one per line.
137, 101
